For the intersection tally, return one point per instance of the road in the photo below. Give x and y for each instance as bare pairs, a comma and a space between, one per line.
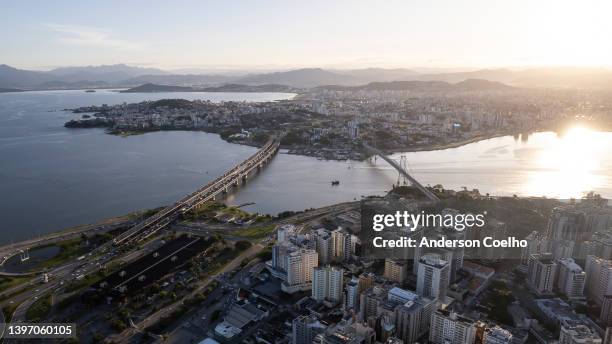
7, 251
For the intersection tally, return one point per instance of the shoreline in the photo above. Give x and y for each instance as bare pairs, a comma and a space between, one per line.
300, 150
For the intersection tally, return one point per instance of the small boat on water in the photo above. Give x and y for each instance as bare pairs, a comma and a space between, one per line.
90, 91
335, 182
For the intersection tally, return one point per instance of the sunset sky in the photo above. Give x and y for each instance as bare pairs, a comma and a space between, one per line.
291, 34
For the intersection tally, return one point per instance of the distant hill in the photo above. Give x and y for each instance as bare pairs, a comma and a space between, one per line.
150, 88
368, 75
303, 78
481, 85
17, 78
106, 73
562, 77
427, 86
179, 80
249, 88
121, 75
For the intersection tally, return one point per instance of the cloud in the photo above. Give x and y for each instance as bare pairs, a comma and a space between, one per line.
86, 36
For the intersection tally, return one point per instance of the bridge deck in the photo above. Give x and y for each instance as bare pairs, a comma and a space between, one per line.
204, 194
395, 165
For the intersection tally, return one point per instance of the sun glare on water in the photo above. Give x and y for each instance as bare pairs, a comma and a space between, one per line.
568, 167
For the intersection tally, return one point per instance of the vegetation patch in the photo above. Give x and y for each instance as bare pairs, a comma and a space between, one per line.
40, 309
10, 282
254, 232
498, 298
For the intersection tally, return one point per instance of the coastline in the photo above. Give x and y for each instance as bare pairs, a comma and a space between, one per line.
300, 150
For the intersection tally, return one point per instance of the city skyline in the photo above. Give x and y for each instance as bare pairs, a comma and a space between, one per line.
338, 35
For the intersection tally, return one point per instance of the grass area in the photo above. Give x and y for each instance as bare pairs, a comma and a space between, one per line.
254, 232
10, 282
216, 210
69, 249
40, 309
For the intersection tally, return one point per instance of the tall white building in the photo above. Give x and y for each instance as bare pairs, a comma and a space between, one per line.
284, 232
448, 327
300, 264
541, 272
327, 284
433, 277
571, 278
599, 278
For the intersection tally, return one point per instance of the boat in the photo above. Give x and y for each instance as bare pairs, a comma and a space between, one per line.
335, 182
90, 91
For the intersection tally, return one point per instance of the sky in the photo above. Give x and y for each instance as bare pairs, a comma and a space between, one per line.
294, 34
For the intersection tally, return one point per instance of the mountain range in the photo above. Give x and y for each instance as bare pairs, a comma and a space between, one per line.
122, 75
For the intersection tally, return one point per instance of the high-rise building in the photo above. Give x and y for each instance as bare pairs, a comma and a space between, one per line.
536, 244
341, 245
351, 298
412, 318
541, 272
300, 264
305, 328
327, 284
279, 256
606, 311
448, 327
570, 279
284, 232
497, 335
608, 336
433, 277
566, 223
395, 270
370, 302
324, 245
600, 245
599, 278
366, 281
563, 249
574, 332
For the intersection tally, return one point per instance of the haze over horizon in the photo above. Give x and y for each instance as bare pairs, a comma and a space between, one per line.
256, 36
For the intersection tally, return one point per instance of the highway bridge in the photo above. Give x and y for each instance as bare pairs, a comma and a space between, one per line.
208, 192
426, 192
